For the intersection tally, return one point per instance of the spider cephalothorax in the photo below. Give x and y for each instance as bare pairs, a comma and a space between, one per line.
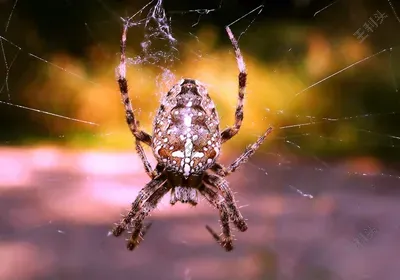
186, 142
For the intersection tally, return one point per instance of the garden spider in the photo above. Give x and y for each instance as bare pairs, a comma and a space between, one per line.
186, 142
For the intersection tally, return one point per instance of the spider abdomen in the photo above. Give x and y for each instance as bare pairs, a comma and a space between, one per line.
186, 129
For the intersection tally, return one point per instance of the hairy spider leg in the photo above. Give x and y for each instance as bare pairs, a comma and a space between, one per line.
146, 164
138, 229
132, 122
142, 196
139, 232
123, 87
222, 185
218, 202
229, 132
250, 150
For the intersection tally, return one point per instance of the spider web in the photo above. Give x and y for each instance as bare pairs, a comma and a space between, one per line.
313, 195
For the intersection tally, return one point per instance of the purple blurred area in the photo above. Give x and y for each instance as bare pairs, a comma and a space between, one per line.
58, 206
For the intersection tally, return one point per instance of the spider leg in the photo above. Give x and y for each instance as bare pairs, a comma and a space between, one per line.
146, 164
132, 122
222, 185
137, 223
218, 201
139, 232
229, 132
250, 150
143, 195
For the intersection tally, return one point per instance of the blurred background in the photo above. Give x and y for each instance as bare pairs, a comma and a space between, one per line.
320, 195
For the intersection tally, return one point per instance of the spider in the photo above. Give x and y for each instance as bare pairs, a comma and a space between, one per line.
186, 142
